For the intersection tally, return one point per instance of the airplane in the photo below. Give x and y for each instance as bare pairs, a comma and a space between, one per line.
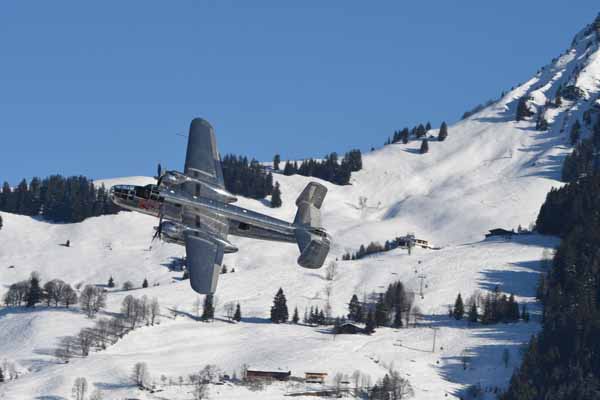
196, 211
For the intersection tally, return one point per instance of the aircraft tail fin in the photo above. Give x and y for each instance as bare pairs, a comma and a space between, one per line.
312, 239
309, 205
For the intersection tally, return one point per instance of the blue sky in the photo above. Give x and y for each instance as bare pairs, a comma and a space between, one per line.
102, 88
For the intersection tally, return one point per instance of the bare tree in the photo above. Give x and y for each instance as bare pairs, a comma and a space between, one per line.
96, 395
140, 375
400, 387
210, 372
64, 350
68, 296
49, 292
144, 309
356, 378
154, 310
85, 339
128, 308
229, 309
200, 391
117, 327
79, 389
328, 293
338, 378
92, 300
331, 271
102, 332
365, 381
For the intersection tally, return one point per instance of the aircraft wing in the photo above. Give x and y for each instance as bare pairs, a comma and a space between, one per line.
202, 160
204, 245
203, 260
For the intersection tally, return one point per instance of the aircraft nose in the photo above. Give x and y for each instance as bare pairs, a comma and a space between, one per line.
111, 194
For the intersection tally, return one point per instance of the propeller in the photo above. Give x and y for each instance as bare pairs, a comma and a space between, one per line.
158, 233
159, 175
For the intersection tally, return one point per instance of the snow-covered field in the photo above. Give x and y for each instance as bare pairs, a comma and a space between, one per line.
179, 346
490, 172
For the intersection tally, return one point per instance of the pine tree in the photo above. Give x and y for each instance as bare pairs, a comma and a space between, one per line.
279, 310
513, 309
370, 325
208, 310
276, 161
321, 318
424, 146
397, 317
542, 123
575, 132
381, 312
473, 316
354, 309
1, 376
34, 294
459, 308
145, 283
276, 196
525, 313
558, 100
404, 135
523, 110
295, 318
443, 134
238, 313
111, 282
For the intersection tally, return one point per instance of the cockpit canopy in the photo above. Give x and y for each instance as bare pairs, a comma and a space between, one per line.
129, 192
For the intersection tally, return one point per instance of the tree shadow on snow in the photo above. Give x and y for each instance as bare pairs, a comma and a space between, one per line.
25, 310
520, 282
256, 320
183, 313
174, 264
113, 386
50, 398
484, 365
412, 151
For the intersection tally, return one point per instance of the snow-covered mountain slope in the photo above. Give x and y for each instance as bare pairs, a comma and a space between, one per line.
182, 345
490, 172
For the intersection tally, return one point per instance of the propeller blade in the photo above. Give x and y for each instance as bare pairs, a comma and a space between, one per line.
158, 233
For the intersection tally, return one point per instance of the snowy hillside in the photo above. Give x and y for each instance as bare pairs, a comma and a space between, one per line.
490, 172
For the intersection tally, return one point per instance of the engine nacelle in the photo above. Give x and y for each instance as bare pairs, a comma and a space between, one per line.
173, 232
173, 180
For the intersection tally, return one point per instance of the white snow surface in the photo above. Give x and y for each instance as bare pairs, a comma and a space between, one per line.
490, 172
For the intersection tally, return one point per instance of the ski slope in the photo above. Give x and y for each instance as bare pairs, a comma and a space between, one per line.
490, 172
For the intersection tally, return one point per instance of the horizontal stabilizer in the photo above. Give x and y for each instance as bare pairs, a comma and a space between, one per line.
309, 205
314, 193
312, 239
314, 248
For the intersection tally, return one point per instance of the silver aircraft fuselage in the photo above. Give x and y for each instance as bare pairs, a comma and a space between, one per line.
151, 200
